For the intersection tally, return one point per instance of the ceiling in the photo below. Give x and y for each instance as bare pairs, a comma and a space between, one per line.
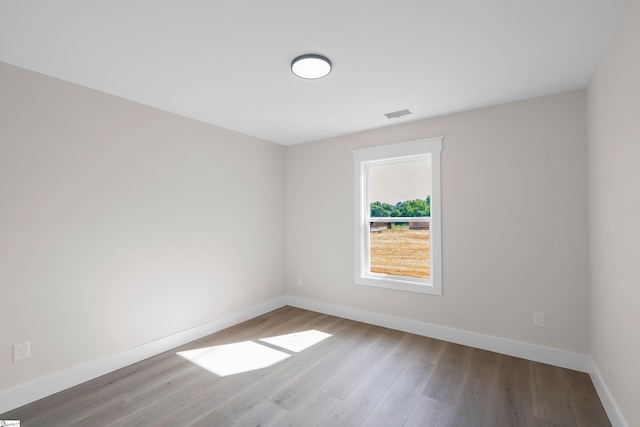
227, 62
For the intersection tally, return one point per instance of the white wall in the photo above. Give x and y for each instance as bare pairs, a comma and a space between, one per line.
514, 228
614, 203
121, 224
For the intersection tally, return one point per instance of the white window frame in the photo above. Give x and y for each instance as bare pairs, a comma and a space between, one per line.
366, 157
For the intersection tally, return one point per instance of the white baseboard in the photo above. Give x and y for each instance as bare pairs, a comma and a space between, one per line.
54, 383
551, 356
610, 406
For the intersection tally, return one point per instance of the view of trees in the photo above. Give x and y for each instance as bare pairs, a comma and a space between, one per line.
407, 208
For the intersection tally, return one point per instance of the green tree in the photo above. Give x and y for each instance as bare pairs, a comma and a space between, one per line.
383, 210
408, 208
416, 208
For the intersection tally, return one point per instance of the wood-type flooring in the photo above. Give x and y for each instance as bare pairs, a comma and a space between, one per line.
321, 370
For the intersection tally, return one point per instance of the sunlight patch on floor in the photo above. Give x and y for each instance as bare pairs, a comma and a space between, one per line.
234, 358
297, 341
245, 356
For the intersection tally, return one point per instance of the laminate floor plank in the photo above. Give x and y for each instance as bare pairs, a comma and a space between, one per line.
360, 364
358, 405
263, 414
359, 374
513, 402
421, 348
97, 416
477, 392
539, 422
166, 383
165, 405
313, 408
355, 408
364, 392
430, 349
446, 381
210, 419
398, 402
583, 400
198, 408
430, 413
549, 395
288, 394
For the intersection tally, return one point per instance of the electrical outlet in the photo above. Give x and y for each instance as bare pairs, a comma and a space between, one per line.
299, 282
21, 351
539, 319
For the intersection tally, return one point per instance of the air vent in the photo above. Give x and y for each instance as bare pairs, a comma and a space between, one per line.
397, 114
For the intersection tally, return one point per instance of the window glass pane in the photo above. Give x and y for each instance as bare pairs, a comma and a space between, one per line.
401, 251
400, 189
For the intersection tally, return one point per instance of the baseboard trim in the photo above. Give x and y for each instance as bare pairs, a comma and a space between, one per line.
551, 356
610, 406
30, 392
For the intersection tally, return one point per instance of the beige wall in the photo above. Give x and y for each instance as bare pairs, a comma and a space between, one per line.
514, 227
121, 224
614, 201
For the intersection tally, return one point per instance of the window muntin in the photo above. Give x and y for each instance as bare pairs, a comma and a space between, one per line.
398, 186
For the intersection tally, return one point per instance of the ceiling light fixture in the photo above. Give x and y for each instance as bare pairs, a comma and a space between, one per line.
311, 66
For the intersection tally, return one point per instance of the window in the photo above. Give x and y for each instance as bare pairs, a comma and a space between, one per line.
397, 229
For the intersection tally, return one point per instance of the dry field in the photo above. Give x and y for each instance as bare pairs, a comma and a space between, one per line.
401, 251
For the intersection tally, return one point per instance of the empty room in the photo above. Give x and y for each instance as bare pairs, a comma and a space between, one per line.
356, 213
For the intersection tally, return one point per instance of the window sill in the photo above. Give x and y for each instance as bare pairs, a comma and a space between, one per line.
400, 284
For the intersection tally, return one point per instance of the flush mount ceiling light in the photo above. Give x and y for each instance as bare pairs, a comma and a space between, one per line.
311, 66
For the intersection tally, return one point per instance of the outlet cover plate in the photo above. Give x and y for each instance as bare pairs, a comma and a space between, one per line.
539, 319
21, 351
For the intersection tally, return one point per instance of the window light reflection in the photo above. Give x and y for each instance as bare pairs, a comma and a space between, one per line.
229, 359
234, 358
297, 341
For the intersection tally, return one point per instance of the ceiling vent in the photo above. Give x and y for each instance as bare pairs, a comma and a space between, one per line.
397, 114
